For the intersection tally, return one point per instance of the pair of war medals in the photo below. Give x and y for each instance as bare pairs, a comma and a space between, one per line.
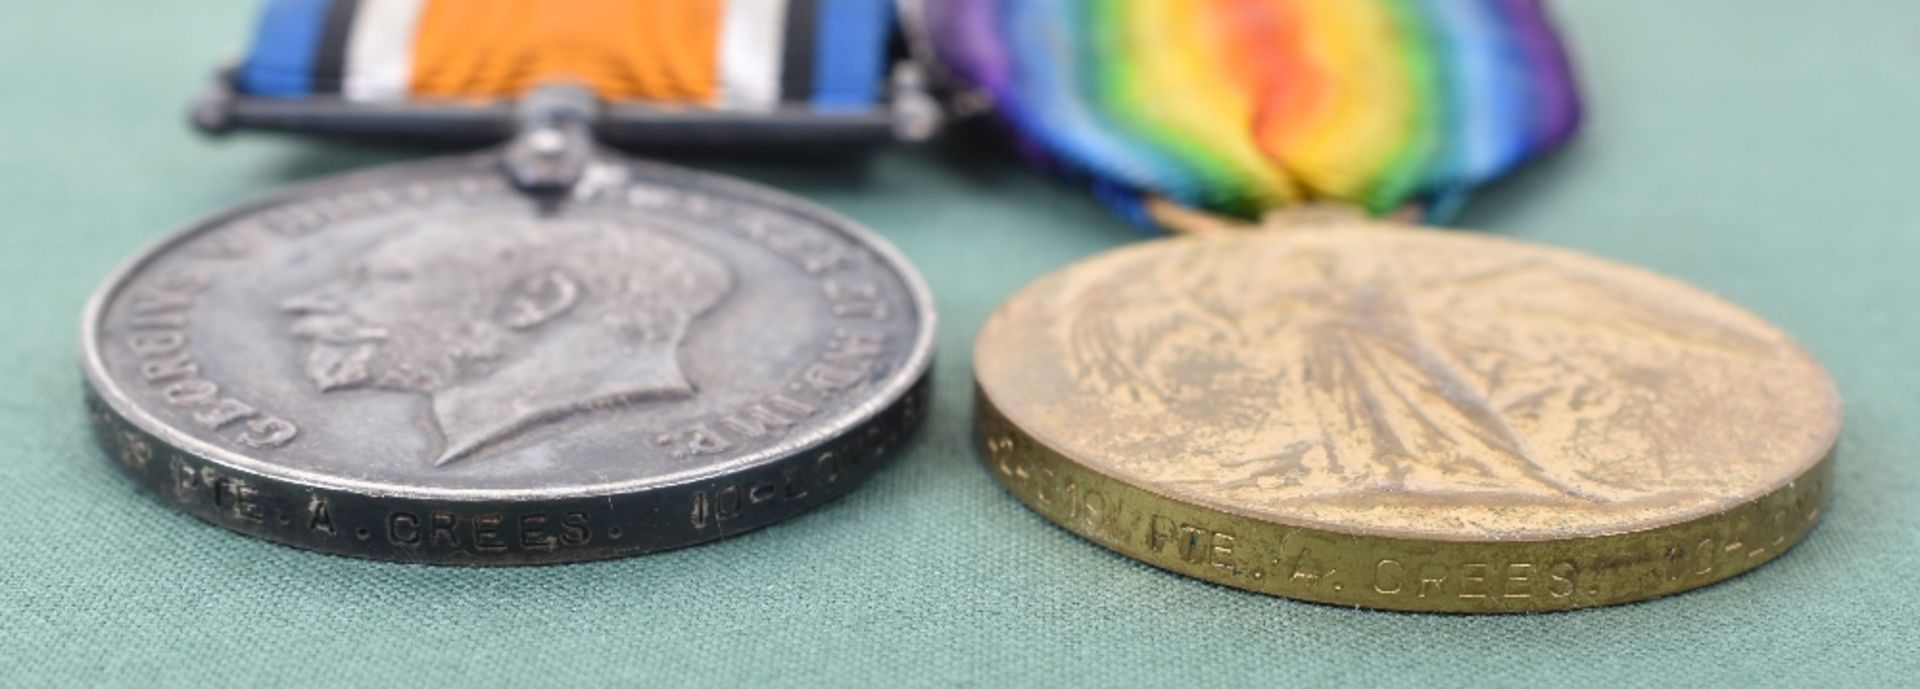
552, 353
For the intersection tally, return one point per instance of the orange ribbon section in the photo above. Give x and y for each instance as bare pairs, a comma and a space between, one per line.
623, 50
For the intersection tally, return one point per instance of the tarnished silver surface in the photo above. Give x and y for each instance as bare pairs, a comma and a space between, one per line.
424, 363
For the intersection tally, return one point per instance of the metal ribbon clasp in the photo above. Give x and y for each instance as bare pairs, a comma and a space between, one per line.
555, 142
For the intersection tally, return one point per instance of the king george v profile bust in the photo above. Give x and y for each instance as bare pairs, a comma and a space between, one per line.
507, 326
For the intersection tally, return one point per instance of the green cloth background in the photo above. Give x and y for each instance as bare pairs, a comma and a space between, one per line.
1763, 150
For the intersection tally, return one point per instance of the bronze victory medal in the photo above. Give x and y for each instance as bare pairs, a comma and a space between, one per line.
1364, 414
428, 363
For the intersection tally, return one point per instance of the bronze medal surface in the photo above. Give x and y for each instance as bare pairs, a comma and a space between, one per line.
1370, 415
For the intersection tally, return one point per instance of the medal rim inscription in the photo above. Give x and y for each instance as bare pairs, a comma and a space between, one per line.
1006, 445
917, 363
1209, 544
512, 525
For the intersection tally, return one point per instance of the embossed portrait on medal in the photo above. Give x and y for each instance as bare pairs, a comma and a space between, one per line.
509, 326
430, 363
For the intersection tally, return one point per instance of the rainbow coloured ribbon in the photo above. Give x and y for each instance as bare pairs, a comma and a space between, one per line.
748, 55
1238, 106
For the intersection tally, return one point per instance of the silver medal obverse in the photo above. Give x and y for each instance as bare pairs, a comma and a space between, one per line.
429, 363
